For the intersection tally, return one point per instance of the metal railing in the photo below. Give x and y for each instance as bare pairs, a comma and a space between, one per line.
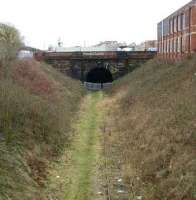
96, 86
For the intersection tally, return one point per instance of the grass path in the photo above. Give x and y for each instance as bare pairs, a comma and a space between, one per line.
85, 151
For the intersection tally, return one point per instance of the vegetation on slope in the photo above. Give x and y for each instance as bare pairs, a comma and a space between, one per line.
37, 105
151, 121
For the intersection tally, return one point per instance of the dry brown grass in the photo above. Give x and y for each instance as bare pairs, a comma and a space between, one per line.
151, 119
36, 108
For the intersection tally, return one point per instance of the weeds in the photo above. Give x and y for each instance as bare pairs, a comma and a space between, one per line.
36, 109
151, 118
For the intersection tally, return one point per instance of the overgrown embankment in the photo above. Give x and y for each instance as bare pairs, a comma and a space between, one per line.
37, 105
151, 121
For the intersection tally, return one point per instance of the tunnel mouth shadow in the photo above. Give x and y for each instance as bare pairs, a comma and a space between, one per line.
99, 75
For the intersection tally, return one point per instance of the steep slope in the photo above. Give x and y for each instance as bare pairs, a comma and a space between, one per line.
151, 129
37, 105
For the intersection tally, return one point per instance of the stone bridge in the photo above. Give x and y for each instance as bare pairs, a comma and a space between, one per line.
98, 67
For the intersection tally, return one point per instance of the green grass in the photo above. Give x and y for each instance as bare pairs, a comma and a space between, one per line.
85, 152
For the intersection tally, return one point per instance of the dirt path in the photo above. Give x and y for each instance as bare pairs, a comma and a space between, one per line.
83, 183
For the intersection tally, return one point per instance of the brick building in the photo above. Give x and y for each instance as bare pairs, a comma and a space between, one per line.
177, 33
150, 44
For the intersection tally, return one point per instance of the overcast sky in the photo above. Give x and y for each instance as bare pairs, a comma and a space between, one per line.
42, 22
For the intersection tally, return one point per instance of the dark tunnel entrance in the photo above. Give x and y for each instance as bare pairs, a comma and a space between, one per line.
99, 75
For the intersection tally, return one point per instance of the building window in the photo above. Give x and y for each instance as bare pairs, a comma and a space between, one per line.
179, 45
171, 26
189, 43
160, 47
179, 23
190, 16
169, 47
183, 21
164, 46
183, 43
176, 45
165, 50
175, 24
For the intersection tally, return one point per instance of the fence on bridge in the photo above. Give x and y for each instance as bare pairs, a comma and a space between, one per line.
96, 86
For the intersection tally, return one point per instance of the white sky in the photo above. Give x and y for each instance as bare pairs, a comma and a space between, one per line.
42, 22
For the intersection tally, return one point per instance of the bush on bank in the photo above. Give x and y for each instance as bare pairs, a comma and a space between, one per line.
151, 121
37, 105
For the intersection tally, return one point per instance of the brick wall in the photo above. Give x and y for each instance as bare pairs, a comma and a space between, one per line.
177, 33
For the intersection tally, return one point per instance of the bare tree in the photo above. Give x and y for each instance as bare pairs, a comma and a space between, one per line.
10, 43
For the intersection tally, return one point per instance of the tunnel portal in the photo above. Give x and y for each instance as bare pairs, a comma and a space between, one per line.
99, 75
